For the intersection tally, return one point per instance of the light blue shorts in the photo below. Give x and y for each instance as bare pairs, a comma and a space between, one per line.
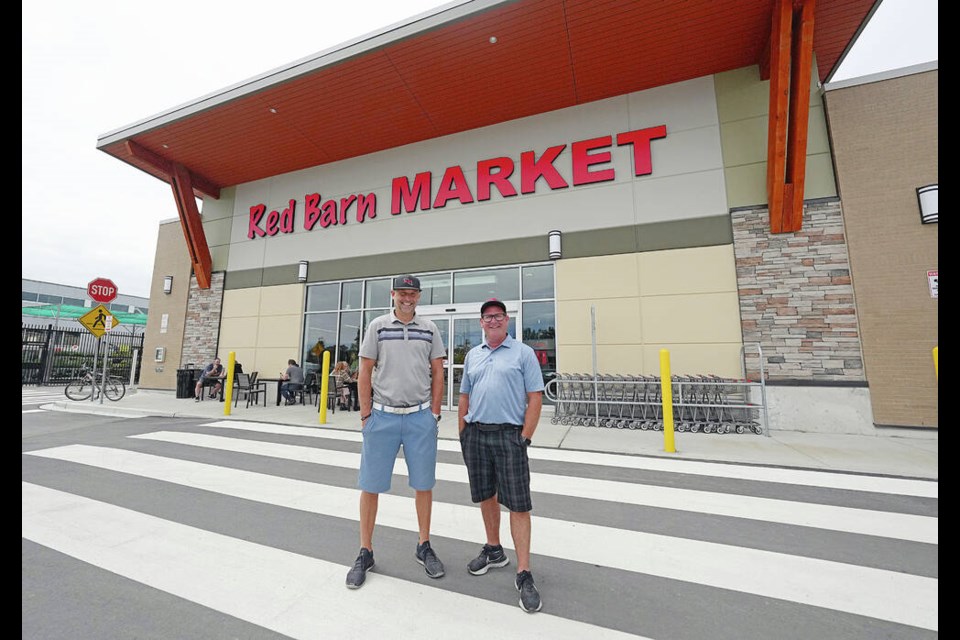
383, 435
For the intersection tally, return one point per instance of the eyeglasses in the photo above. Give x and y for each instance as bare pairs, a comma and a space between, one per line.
490, 317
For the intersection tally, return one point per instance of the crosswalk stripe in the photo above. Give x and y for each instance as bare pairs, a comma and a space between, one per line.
881, 594
802, 477
860, 521
285, 592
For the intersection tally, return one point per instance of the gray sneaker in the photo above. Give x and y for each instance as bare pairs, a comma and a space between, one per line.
358, 574
529, 595
431, 563
490, 557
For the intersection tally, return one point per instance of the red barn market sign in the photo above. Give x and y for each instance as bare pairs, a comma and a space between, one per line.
590, 161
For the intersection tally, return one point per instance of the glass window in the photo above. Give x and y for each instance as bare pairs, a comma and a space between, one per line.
378, 293
30, 296
351, 297
319, 335
348, 348
435, 289
323, 297
49, 299
538, 281
77, 302
477, 286
539, 332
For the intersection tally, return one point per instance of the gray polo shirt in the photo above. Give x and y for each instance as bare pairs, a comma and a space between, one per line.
403, 352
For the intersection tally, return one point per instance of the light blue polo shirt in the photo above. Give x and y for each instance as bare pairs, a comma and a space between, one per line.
498, 381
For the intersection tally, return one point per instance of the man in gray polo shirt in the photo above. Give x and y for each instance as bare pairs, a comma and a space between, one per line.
400, 387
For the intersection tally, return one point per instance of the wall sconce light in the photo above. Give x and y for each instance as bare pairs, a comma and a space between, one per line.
554, 245
302, 272
929, 203
167, 284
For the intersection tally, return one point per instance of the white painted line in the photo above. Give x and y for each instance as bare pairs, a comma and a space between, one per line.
849, 520
877, 593
802, 477
289, 593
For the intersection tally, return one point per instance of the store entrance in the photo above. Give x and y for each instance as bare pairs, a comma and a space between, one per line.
460, 333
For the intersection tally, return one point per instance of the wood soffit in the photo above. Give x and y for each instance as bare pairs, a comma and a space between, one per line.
442, 75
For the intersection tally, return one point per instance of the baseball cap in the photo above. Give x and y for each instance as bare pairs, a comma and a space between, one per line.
492, 302
406, 282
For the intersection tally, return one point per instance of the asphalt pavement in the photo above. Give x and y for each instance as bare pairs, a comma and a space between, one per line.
896, 452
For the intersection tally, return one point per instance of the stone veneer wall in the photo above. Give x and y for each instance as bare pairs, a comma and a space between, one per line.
201, 333
796, 297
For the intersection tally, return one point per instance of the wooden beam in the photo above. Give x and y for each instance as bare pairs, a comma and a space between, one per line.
780, 33
191, 224
801, 72
202, 187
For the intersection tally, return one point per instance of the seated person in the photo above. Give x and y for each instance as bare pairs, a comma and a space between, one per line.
342, 378
210, 377
292, 381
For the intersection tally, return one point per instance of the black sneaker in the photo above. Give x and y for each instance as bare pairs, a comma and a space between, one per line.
529, 595
358, 574
431, 563
490, 557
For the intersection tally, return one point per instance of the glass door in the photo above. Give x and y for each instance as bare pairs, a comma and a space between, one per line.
460, 333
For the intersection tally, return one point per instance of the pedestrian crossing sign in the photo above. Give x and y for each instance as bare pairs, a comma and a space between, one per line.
98, 320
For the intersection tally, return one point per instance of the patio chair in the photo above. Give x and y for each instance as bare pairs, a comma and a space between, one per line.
251, 390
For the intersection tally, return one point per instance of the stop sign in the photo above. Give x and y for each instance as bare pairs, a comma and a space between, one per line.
102, 290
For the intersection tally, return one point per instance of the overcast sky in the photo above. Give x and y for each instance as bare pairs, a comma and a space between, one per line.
89, 68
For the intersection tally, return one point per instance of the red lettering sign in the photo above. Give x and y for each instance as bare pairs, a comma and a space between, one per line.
493, 173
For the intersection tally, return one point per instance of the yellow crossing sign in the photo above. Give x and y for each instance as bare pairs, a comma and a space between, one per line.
98, 320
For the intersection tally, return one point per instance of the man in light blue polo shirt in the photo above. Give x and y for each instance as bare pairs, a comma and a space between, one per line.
400, 386
500, 402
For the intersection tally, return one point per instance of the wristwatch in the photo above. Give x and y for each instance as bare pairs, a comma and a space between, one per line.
526, 442
437, 416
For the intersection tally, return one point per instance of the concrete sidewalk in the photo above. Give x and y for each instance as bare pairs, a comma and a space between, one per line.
899, 452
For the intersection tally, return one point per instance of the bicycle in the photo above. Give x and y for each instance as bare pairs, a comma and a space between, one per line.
83, 387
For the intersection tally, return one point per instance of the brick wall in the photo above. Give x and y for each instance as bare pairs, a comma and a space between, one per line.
201, 331
796, 297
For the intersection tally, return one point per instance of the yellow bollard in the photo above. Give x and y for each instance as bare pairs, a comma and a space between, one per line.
936, 365
324, 387
666, 395
228, 389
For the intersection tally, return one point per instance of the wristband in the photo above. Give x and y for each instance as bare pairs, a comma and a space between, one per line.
363, 418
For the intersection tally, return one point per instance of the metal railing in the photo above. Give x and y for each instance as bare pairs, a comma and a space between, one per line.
701, 403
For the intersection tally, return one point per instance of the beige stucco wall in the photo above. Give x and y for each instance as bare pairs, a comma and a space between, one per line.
743, 101
263, 326
887, 143
682, 300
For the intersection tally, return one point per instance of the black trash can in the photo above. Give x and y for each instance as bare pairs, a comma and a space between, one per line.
186, 382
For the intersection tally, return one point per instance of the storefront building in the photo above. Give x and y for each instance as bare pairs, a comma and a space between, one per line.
612, 228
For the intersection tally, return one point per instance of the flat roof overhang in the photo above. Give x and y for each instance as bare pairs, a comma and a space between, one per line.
440, 73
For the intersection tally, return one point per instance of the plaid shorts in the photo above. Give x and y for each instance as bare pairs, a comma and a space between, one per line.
497, 465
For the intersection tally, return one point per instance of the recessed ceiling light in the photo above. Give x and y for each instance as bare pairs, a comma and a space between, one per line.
272, 110
493, 39
166, 146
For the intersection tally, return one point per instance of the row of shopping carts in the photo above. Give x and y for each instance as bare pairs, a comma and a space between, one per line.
707, 403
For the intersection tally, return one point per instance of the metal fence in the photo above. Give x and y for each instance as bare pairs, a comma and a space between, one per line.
55, 355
